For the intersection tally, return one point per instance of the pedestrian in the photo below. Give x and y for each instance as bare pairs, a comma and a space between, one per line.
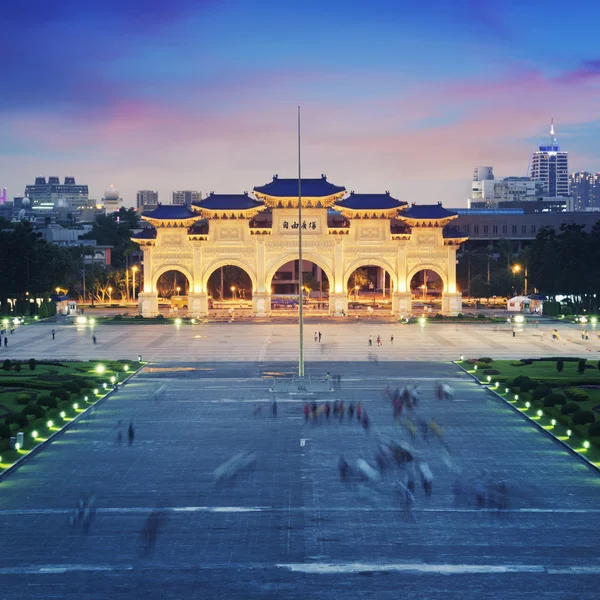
370, 341
379, 340
274, 408
327, 377
94, 339
392, 339
351, 410
53, 334
359, 410
130, 432
319, 337
514, 331
327, 410
343, 468
306, 411
316, 336
12, 330
336, 408
365, 420
342, 409
339, 382
5, 341
150, 531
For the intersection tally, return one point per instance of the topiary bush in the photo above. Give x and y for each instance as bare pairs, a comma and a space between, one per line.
118, 318
17, 419
528, 385
593, 431
560, 365
485, 359
32, 364
7, 364
556, 399
582, 417
519, 380
72, 386
37, 411
17, 367
581, 365
159, 317
460, 316
60, 394
576, 394
541, 392
570, 408
23, 398
46, 400
491, 372
480, 316
5, 431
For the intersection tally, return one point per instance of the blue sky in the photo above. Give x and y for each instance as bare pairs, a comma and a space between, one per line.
401, 96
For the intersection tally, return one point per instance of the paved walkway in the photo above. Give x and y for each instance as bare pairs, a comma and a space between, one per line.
287, 527
275, 342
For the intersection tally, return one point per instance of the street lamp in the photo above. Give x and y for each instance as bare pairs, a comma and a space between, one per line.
233, 291
57, 290
110, 294
356, 293
133, 272
178, 289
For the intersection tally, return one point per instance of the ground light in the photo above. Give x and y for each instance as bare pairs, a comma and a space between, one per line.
527, 404
34, 434
516, 396
489, 378
422, 320
75, 406
475, 367
594, 320
81, 320
113, 379
540, 413
96, 391
92, 321
178, 322
17, 446
193, 321
100, 369
126, 368
63, 414
569, 433
553, 422
506, 390
50, 424
104, 385
586, 444
85, 398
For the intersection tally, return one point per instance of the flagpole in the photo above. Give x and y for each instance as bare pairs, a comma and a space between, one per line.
300, 276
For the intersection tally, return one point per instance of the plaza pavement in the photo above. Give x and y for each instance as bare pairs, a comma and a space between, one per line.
278, 342
288, 528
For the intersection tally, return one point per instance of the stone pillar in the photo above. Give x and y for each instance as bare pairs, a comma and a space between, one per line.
402, 304
451, 304
338, 305
148, 304
198, 304
261, 304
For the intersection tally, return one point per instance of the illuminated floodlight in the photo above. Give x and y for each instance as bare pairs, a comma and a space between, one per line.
489, 378
5, 321
105, 385
516, 396
85, 398
178, 322
569, 433
527, 404
17, 446
100, 369
422, 320
583, 320
81, 320
126, 368
519, 319
36, 318
50, 424
594, 320
462, 357
113, 379
540, 413
34, 434
193, 321
475, 367
75, 406
586, 444
553, 422
63, 414
96, 390
92, 321
506, 390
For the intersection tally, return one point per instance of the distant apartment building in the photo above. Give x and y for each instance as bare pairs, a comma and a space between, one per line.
482, 189
501, 192
186, 197
550, 165
70, 193
585, 190
146, 200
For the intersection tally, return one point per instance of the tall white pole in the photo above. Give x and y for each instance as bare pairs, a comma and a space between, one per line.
300, 277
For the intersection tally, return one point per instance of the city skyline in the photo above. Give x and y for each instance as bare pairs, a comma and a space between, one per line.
193, 96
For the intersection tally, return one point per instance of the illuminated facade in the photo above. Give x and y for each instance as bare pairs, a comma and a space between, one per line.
341, 232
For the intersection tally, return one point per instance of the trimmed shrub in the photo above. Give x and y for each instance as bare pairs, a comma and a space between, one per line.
582, 417
72, 386
581, 365
17, 419
60, 394
46, 400
528, 385
460, 316
118, 318
594, 429
518, 381
560, 365
599, 365
576, 394
480, 316
486, 359
439, 316
570, 408
491, 372
32, 364
37, 411
555, 399
6, 365
159, 317
18, 367
5, 431
23, 398
541, 392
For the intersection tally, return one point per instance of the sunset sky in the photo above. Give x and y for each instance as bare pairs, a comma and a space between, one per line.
202, 94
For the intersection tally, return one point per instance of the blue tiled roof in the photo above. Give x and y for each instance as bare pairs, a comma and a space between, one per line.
427, 211
171, 212
228, 202
288, 188
370, 201
149, 233
453, 232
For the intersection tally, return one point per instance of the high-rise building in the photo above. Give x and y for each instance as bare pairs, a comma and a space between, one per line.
72, 194
550, 166
146, 199
112, 200
482, 189
186, 197
585, 190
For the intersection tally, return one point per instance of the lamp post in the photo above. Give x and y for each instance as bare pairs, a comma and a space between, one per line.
133, 272
355, 293
233, 292
57, 290
110, 294
178, 289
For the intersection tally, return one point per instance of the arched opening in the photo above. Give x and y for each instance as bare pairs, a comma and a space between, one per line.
285, 282
173, 287
369, 287
426, 288
229, 283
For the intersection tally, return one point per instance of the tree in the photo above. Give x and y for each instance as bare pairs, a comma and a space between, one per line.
480, 287
359, 278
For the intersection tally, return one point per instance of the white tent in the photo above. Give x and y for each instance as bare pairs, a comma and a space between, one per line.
524, 304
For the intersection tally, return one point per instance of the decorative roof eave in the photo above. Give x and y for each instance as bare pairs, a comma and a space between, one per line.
454, 241
197, 237
427, 222
261, 231
292, 201
373, 213
144, 241
338, 230
172, 222
229, 214
401, 236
